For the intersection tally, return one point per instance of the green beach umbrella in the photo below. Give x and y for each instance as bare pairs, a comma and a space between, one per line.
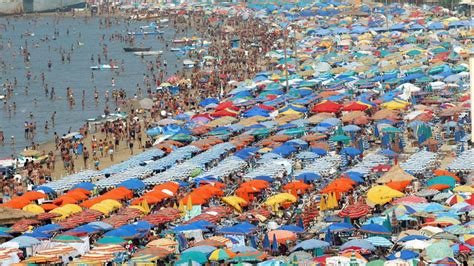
182, 137
424, 79
295, 131
458, 69
194, 256
376, 263
249, 258
219, 255
438, 50
339, 138
218, 133
414, 52
196, 172
261, 132
108, 240
66, 239
414, 70
439, 250
391, 130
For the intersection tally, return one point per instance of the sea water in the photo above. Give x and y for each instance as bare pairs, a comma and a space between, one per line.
76, 74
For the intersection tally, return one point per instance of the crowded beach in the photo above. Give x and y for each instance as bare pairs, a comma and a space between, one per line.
295, 134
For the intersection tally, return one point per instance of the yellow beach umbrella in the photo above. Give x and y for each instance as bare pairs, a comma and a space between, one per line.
280, 198
140, 208
36, 209
189, 204
105, 209
464, 188
145, 206
112, 203
334, 200
322, 204
235, 202
395, 105
72, 208
382, 194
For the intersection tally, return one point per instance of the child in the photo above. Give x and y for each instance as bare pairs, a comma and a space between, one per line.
96, 161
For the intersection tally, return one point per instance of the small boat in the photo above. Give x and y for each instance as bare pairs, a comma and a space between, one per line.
180, 41
163, 21
28, 33
150, 26
2, 96
148, 53
146, 33
103, 67
188, 63
175, 49
137, 49
103, 118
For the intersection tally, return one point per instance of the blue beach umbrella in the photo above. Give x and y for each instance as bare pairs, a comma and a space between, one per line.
404, 255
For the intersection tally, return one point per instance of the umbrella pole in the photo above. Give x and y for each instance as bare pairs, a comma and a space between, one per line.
471, 73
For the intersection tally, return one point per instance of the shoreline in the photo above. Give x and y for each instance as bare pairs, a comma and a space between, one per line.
121, 154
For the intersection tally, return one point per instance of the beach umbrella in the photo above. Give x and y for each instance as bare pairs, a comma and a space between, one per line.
308, 177
274, 244
310, 244
351, 128
357, 243
355, 211
281, 236
415, 244
351, 151
67, 239
410, 200
255, 256
219, 255
427, 192
442, 180
21, 242
132, 184
374, 229
300, 256
292, 228
403, 255
102, 225
376, 263
439, 250
111, 240
379, 241
36, 209
196, 256
34, 195
234, 202
454, 199
280, 198
266, 242
382, 194
201, 249
412, 237
464, 188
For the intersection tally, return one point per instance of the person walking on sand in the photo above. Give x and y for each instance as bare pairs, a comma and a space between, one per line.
111, 151
96, 161
130, 145
85, 156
